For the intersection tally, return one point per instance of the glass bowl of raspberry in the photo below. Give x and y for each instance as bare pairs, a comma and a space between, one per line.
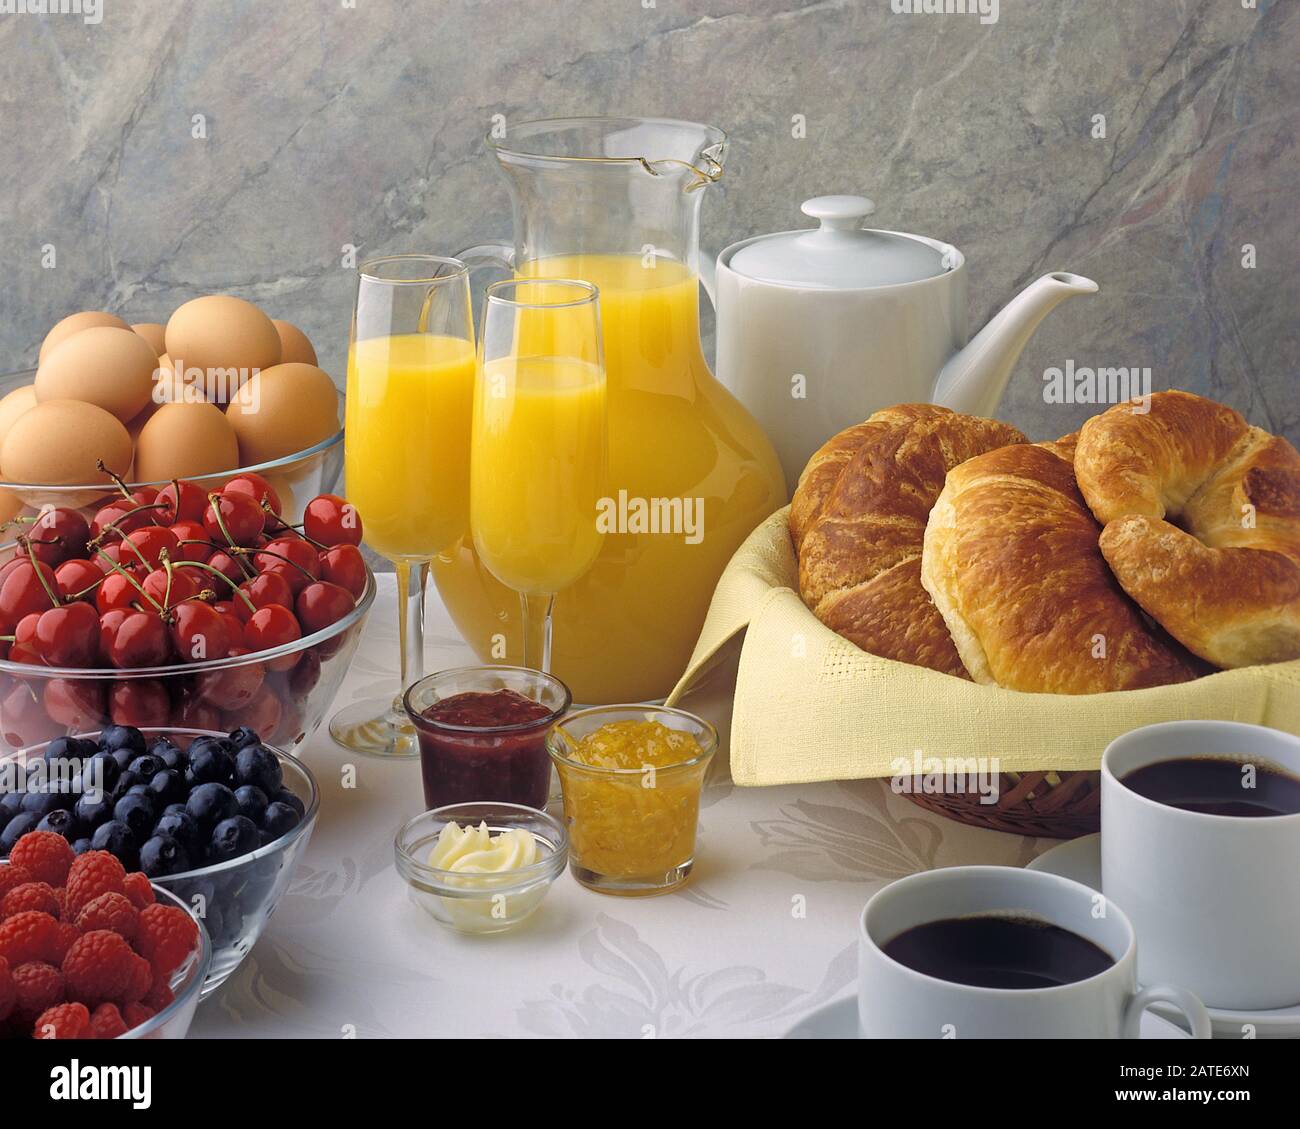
187, 982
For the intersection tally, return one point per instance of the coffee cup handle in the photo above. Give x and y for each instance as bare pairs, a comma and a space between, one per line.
1191, 1007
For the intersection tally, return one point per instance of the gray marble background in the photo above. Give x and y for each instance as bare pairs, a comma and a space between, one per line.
331, 122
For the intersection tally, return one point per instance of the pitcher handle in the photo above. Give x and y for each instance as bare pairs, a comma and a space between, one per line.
1198, 1018
500, 256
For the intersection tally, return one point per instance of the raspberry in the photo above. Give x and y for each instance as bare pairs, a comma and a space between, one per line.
166, 936
94, 873
38, 986
45, 854
63, 1021
106, 1022
109, 911
141, 980
27, 936
159, 994
99, 967
138, 888
65, 936
136, 1014
11, 876
8, 994
30, 896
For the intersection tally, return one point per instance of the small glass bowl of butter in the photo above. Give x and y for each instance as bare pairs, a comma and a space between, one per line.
480, 867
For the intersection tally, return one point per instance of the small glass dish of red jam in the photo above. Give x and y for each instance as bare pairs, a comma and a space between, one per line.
482, 732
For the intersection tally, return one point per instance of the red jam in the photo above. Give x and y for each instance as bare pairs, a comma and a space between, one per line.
506, 760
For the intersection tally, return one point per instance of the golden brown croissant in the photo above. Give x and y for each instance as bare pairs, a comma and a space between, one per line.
1202, 516
1012, 562
858, 520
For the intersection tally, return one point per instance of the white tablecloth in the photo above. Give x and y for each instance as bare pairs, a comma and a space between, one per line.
763, 933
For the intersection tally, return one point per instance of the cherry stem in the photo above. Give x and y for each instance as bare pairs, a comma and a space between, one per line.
234, 588
115, 567
36, 565
96, 542
117, 478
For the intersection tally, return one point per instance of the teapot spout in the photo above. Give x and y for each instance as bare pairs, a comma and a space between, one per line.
973, 379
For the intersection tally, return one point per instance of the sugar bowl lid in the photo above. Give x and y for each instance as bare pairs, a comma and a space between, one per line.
840, 254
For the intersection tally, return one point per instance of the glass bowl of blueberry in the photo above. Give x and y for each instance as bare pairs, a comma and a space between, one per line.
220, 820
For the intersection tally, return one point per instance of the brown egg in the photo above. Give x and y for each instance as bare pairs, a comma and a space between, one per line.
225, 337
294, 345
283, 410
154, 333
110, 368
58, 442
11, 505
183, 440
75, 323
15, 404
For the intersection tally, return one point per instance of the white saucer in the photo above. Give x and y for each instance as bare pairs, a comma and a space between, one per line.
1080, 859
839, 1020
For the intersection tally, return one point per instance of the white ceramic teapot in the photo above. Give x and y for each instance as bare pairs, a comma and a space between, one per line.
817, 329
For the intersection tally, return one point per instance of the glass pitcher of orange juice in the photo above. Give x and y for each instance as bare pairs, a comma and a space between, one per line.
616, 202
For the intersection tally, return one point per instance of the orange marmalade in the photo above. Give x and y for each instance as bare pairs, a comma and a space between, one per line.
631, 800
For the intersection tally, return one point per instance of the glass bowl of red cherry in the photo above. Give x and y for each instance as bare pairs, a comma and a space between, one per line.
191, 605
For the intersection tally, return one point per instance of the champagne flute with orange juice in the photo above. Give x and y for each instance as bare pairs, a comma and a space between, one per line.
410, 392
540, 446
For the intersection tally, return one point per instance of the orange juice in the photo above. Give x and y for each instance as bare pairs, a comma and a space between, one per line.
625, 630
537, 470
409, 404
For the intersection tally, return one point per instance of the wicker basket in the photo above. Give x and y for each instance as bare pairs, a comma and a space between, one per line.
1049, 805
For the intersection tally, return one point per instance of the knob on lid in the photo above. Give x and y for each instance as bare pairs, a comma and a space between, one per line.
839, 254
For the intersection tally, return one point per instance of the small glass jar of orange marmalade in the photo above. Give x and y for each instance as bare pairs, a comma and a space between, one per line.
631, 778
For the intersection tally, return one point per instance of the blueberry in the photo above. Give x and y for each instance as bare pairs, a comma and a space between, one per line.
69, 748
279, 820
233, 837
284, 796
16, 828
93, 810
210, 762
257, 765
171, 809
122, 737
252, 801
61, 822
243, 736
122, 757
42, 803
180, 826
169, 753
125, 782
136, 811
105, 768
11, 804
168, 787
161, 856
146, 766
118, 839
81, 846
209, 804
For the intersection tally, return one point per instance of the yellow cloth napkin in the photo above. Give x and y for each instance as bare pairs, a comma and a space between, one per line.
810, 705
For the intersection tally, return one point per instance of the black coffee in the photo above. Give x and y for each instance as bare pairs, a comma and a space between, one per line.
1218, 786
998, 951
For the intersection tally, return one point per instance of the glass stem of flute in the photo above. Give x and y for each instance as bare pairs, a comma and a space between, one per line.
536, 609
412, 578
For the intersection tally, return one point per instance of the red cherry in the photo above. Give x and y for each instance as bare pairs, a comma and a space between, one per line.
291, 557
186, 584
321, 604
233, 519
344, 565
117, 519
228, 566
304, 676
194, 713
140, 639
232, 688
199, 632
257, 488
192, 506
118, 591
23, 720
331, 520
262, 714
109, 624
140, 702
264, 589
73, 577
273, 626
150, 543
58, 534
68, 636
192, 541
116, 553
77, 704
22, 592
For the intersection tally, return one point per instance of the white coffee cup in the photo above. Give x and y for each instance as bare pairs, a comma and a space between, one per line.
1215, 899
895, 1001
